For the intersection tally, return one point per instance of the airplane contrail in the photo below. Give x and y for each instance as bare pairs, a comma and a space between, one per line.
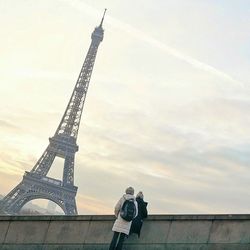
81, 6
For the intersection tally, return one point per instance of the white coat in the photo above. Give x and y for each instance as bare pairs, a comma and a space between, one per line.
121, 225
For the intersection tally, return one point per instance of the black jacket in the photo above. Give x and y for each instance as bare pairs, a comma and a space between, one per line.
138, 220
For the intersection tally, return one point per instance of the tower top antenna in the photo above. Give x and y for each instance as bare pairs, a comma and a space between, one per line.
103, 17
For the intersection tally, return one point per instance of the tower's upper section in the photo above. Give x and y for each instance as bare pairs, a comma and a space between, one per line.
65, 136
97, 35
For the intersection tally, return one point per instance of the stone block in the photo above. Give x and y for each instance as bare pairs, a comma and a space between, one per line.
63, 247
73, 232
144, 247
175, 246
230, 232
96, 247
189, 231
22, 247
222, 246
99, 232
4, 225
27, 232
152, 232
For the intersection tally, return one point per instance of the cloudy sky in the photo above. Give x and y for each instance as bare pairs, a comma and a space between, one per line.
167, 111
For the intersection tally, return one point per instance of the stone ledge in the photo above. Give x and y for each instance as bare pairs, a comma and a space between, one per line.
153, 217
159, 232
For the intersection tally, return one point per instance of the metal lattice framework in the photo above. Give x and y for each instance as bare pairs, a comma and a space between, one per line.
36, 184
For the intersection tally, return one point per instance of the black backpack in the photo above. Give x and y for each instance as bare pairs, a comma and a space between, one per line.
128, 210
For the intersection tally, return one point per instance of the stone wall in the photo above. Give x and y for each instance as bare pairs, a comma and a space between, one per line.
175, 232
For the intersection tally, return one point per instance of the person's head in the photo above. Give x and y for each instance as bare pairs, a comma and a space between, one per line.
140, 195
130, 190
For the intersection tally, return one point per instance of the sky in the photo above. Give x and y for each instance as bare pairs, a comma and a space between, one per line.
167, 110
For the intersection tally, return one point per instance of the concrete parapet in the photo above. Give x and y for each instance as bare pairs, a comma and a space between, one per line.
159, 232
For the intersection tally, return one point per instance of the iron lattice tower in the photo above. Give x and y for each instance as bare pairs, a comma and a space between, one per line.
36, 184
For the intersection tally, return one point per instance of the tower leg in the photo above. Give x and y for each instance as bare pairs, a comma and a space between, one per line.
32, 188
68, 172
71, 208
8, 204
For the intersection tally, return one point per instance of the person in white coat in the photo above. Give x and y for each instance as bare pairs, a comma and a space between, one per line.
121, 227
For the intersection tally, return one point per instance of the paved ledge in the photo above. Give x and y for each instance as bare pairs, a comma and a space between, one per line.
153, 217
159, 232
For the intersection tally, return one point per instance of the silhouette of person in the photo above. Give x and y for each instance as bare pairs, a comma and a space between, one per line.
142, 214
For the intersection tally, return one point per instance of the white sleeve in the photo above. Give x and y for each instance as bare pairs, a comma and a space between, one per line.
136, 206
118, 206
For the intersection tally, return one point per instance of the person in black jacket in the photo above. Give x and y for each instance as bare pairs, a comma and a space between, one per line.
142, 214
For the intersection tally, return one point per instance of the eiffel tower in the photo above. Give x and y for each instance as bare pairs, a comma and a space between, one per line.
36, 184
